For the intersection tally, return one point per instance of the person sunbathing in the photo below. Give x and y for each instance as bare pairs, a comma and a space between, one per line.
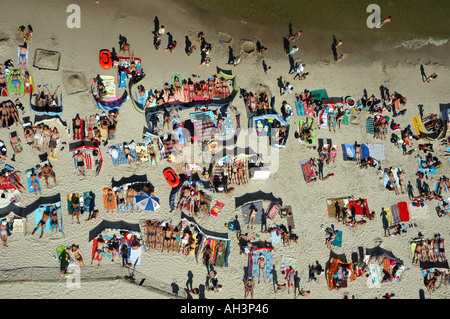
47, 171
41, 225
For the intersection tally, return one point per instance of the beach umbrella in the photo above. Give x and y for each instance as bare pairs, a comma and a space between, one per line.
147, 202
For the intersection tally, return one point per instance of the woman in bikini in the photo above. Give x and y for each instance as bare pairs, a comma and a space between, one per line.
27, 81
3, 85
192, 199
251, 220
46, 132
16, 81
240, 173
4, 233
76, 255
37, 136
333, 154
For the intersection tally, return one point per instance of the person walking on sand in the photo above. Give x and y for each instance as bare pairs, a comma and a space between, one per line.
292, 50
431, 77
249, 285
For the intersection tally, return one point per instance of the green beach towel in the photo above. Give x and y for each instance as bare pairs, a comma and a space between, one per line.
301, 122
319, 95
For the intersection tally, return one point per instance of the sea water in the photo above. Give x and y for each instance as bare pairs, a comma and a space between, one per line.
415, 23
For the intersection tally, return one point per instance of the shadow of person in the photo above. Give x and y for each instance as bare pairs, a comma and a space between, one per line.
175, 288
190, 280
188, 44
170, 39
291, 64
422, 73
286, 45
274, 277
156, 23
280, 84
202, 290
291, 31
334, 47
297, 283
230, 55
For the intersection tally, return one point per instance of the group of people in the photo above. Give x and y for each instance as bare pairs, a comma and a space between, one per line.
9, 113
43, 138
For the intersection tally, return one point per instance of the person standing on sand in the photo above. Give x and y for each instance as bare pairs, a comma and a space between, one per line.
249, 285
98, 250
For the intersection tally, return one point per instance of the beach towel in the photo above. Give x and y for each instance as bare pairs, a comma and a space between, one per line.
426, 169
118, 156
318, 95
18, 57
337, 242
331, 205
259, 214
395, 213
417, 123
357, 206
370, 128
267, 255
30, 183
275, 237
300, 108
110, 87
274, 209
215, 210
37, 218
308, 171
301, 123
376, 151
375, 277
348, 152
403, 211
109, 205
122, 79
142, 153
448, 150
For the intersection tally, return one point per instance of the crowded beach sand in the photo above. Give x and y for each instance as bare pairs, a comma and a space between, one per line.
385, 240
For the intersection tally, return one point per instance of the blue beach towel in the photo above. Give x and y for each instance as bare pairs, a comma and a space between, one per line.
122, 79
300, 108
29, 182
338, 239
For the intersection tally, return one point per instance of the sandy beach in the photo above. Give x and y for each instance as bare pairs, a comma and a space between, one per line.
30, 268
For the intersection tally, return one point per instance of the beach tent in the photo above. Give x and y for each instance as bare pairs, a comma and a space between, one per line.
445, 111
120, 226
110, 103
16, 217
378, 259
46, 109
127, 230
247, 198
130, 181
51, 121
219, 103
90, 150
213, 239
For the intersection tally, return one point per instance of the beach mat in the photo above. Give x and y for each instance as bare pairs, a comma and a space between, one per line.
300, 108
331, 205
308, 171
302, 122
417, 123
358, 207
319, 94
337, 242
246, 212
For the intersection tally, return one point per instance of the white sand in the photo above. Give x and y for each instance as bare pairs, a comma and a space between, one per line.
101, 25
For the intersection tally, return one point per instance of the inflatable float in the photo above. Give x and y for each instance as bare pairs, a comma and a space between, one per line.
105, 58
171, 177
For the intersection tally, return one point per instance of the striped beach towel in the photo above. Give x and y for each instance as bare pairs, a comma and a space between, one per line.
300, 108
395, 213
417, 123
308, 171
